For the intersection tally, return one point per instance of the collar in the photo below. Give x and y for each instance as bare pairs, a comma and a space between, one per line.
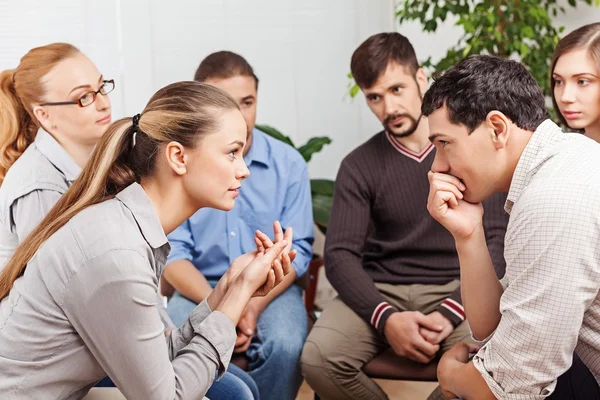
57, 155
547, 135
259, 150
134, 197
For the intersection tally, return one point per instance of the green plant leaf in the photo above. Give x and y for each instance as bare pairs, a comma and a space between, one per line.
269, 130
322, 186
314, 145
322, 199
520, 29
354, 89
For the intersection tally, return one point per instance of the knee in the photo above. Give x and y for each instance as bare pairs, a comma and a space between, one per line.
311, 360
286, 350
321, 360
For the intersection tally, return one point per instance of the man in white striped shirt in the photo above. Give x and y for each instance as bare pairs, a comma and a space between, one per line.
488, 121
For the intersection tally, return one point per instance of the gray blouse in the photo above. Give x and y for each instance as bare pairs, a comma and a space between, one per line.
32, 186
86, 306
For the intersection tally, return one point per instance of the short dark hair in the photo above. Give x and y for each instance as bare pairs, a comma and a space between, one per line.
479, 84
372, 57
224, 64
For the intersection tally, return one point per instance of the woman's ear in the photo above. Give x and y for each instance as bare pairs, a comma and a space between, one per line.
176, 157
44, 118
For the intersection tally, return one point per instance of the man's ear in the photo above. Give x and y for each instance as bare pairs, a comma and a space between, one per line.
499, 126
176, 157
421, 78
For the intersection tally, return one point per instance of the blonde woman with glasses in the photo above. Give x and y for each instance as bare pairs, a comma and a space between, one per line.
54, 107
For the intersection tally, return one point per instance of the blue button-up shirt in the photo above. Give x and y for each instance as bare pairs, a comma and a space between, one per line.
278, 188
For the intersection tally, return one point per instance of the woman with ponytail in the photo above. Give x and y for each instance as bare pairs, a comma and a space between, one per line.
78, 297
53, 109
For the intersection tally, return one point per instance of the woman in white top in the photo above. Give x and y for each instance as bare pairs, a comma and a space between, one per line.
575, 80
53, 109
78, 296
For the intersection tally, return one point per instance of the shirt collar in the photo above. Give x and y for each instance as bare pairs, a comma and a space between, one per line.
57, 155
134, 197
547, 135
259, 149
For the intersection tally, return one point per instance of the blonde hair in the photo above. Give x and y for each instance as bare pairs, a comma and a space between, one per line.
587, 37
20, 89
182, 112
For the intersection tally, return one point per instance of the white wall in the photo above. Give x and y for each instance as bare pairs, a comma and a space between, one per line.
299, 49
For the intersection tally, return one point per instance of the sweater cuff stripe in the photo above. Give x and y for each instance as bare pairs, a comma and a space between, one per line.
455, 307
379, 310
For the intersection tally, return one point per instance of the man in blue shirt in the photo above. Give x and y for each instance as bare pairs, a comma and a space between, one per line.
273, 329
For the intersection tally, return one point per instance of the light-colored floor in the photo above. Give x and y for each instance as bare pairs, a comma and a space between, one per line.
396, 390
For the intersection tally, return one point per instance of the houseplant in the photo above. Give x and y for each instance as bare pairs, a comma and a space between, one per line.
519, 29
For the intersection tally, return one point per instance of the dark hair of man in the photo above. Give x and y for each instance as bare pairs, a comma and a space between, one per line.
223, 65
479, 84
372, 57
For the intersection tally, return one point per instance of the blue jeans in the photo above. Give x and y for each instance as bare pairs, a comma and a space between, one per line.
235, 384
274, 352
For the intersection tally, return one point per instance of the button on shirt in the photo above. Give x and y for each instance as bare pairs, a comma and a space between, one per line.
32, 186
86, 306
550, 306
278, 188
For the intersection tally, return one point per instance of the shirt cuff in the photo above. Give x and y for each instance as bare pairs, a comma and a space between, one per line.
498, 390
199, 313
380, 315
452, 310
219, 331
483, 341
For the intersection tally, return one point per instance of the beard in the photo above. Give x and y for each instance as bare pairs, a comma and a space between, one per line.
409, 130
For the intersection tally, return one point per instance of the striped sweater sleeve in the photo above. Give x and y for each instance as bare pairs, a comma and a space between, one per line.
348, 227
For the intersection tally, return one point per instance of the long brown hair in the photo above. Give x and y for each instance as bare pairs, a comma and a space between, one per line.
182, 112
587, 37
20, 90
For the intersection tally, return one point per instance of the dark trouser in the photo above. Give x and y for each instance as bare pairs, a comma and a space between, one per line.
577, 383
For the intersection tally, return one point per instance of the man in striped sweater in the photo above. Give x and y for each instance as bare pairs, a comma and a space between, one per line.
394, 267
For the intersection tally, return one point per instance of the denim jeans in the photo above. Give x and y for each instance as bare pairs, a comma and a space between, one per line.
235, 384
274, 354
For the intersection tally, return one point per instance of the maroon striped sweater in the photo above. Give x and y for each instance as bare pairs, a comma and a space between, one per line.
380, 230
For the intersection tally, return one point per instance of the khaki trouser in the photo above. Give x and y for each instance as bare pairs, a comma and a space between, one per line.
341, 343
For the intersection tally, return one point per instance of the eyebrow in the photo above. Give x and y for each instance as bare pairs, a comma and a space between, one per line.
237, 142
434, 136
250, 97
84, 86
576, 75
392, 86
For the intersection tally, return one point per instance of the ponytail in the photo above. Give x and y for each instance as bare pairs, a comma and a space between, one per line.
17, 128
182, 112
103, 171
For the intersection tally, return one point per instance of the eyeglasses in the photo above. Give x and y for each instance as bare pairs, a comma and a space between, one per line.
89, 97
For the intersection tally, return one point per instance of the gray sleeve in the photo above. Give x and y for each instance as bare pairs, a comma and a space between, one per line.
28, 211
111, 302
